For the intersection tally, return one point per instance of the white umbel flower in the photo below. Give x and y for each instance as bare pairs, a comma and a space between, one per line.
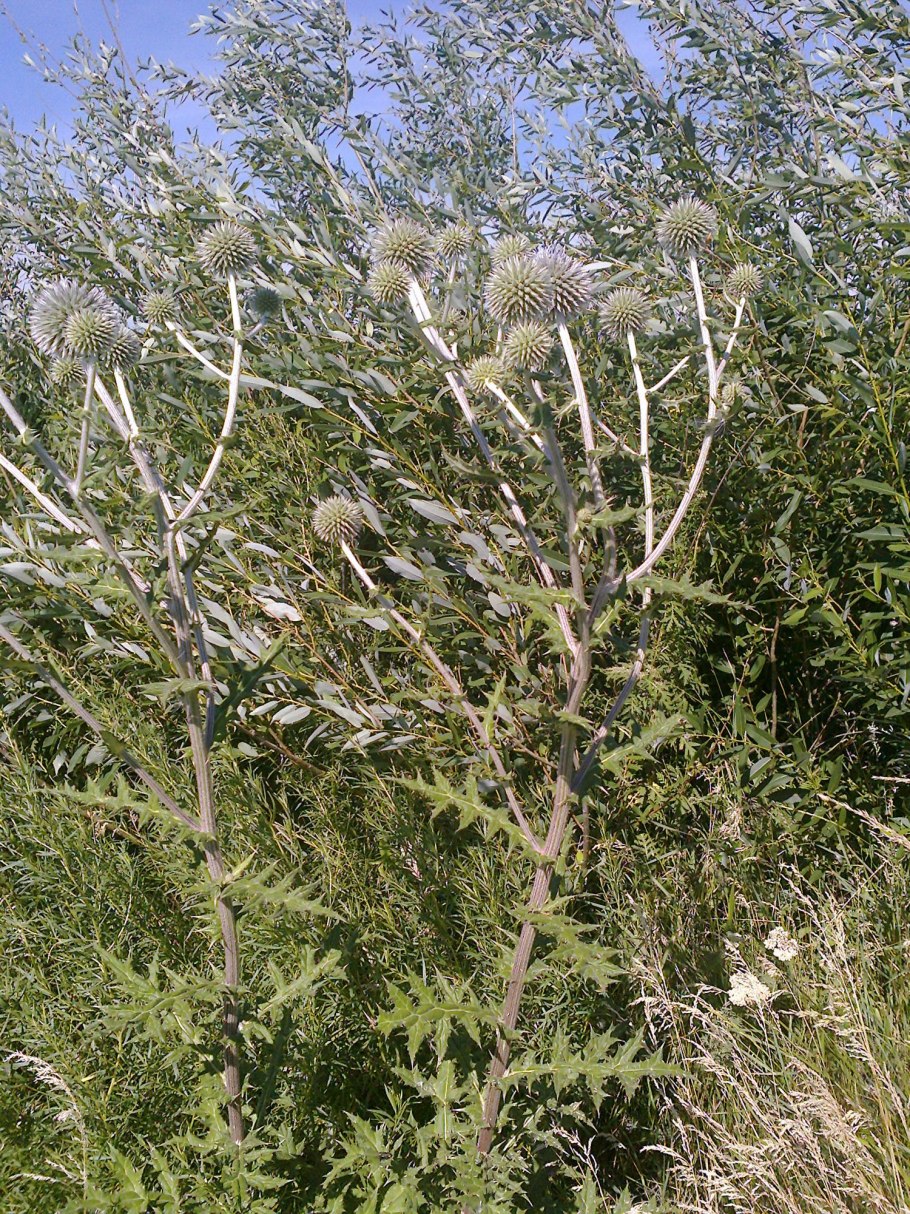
781, 944
748, 991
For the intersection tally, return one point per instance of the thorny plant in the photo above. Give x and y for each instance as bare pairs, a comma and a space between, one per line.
533, 298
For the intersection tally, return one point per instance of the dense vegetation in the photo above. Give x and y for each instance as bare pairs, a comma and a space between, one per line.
716, 1015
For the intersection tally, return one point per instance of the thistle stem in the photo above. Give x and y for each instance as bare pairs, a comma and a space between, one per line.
86, 428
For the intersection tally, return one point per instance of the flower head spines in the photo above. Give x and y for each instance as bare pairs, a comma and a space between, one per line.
625, 310
337, 520
484, 371
65, 371
264, 303
511, 245
227, 248
519, 289
573, 287
159, 307
54, 306
527, 346
744, 281
125, 349
389, 282
90, 332
404, 241
686, 226
454, 240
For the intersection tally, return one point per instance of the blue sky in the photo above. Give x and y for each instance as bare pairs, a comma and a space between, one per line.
148, 28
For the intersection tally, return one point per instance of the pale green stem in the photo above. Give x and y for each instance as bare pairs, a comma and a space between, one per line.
45, 502
584, 416
86, 428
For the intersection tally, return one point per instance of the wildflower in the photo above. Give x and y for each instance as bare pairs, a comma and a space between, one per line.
65, 371
389, 282
512, 245
264, 303
55, 305
748, 991
686, 226
624, 311
159, 307
527, 346
488, 369
781, 944
519, 289
454, 240
404, 241
226, 249
744, 281
90, 331
573, 289
125, 349
337, 520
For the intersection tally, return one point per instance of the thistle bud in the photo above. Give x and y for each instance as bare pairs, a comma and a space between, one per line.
65, 371
53, 308
573, 288
483, 371
125, 349
519, 289
625, 310
527, 346
90, 332
389, 282
225, 249
686, 226
512, 245
264, 303
744, 281
454, 240
159, 307
337, 520
404, 241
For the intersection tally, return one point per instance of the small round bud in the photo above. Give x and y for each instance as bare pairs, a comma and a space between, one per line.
389, 282
159, 307
573, 289
337, 520
454, 240
483, 371
53, 308
512, 245
264, 303
686, 226
227, 248
125, 349
519, 289
744, 281
527, 346
66, 371
729, 394
404, 241
90, 332
625, 310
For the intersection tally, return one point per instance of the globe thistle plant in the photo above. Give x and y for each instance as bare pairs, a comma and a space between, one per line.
519, 289
53, 308
90, 332
454, 240
483, 371
744, 281
389, 282
512, 245
125, 349
573, 288
159, 307
527, 346
625, 310
686, 227
65, 371
337, 520
227, 248
403, 241
264, 303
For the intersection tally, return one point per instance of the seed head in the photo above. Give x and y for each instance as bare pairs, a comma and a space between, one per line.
744, 281
90, 332
125, 349
337, 520
519, 289
158, 307
404, 241
65, 371
483, 371
573, 289
686, 226
264, 303
625, 310
225, 249
389, 282
454, 240
527, 346
512, 245
53, 308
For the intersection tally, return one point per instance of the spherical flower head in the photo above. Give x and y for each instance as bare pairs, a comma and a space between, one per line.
729, 394
337, 520
512, 245
125, 349
159, 307
744, 281
264, 303
483, 371
625, 310
389, 282
227, 248
90, 332
53, 308
454, 240
404, 241
573, 287
65, 371
527, 346
519, 289
686, 227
